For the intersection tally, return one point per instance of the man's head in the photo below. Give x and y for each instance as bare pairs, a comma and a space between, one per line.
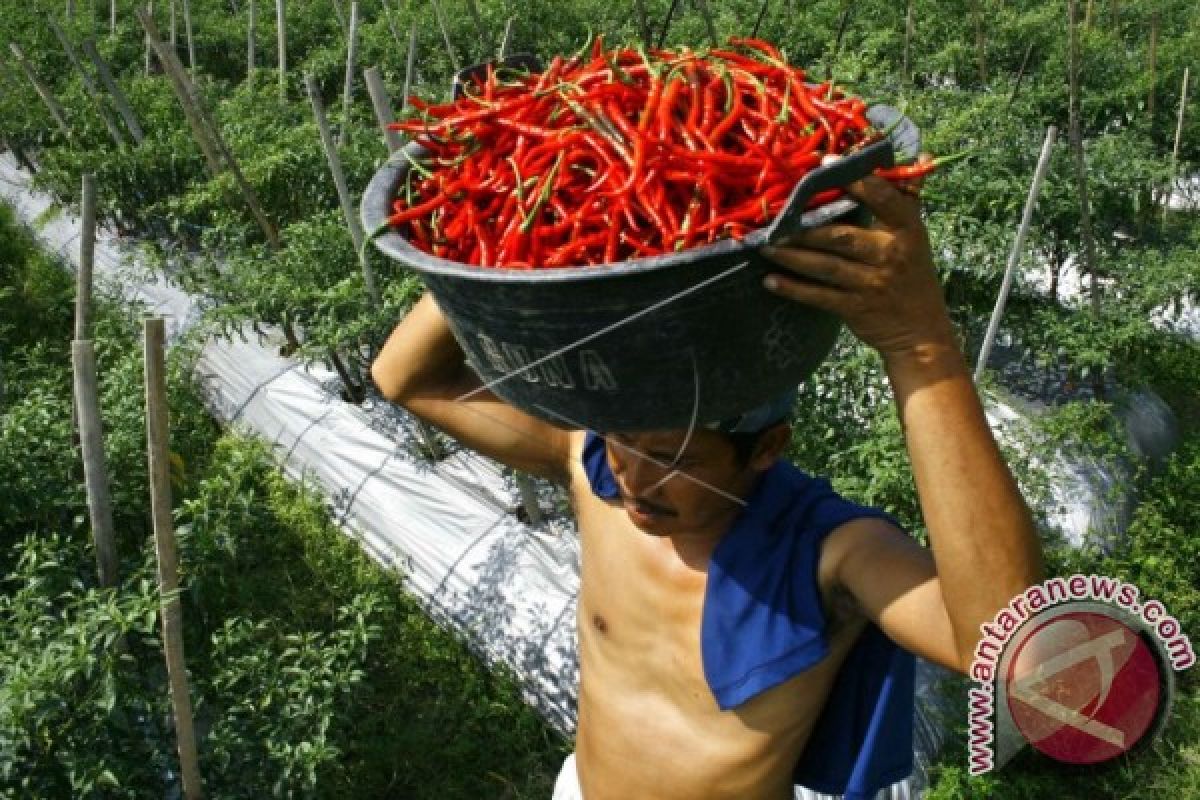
673, 482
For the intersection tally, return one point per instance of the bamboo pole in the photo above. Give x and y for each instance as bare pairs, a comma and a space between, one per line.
250, 33
43, 91
441, 21
1020, 73
174, 26
348, 86
118, 96
391, 22
1014, 255
95, 469
112, 16
208, 131
190, 111
281, 30
709, 24
529, 498
666, 26
506, 42
1154, 26
87, 426
409, 66
1183, 99
1076, 137
87, 259
343, 191
485, 35
339, 15
149, 50
158, 452
88, 85
909, 18
980, 41
191, 41
383, 108
643, 20
843, 24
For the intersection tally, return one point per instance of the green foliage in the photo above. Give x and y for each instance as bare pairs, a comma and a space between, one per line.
77, 718
254, 549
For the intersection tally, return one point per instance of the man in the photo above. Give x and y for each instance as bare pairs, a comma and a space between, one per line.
731, 607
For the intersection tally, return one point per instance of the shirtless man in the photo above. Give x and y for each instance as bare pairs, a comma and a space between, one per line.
649, 724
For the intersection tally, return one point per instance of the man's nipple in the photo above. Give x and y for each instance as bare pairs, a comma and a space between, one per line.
600, 623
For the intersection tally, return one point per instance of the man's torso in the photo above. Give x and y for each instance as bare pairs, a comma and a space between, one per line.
649, 726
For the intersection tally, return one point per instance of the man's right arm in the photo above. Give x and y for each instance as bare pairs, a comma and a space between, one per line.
422, 368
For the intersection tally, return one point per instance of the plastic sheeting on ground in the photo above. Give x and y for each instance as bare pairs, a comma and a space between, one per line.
449, 526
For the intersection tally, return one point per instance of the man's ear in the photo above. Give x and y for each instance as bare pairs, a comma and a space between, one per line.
771, 446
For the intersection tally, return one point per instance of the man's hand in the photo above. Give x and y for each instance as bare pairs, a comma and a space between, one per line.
880, 280
984, 546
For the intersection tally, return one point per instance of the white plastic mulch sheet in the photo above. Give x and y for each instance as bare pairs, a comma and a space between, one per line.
449, 526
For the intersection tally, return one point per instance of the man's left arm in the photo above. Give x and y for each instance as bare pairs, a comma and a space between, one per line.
984, 548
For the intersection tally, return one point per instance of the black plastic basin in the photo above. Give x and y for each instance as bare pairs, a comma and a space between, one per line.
646, 344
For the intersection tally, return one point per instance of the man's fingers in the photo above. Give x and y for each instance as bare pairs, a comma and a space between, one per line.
891, 206
826, 268
802, 291
847, 241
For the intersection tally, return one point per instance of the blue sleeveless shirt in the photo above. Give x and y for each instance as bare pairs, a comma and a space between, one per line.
762, 624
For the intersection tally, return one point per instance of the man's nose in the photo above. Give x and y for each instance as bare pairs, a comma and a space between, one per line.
643, 475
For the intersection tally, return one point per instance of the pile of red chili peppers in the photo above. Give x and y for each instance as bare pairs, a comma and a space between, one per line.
619, 154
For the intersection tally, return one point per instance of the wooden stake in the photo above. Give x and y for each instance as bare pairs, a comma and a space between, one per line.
441, 21
343, 191
348, 87
281, 29
118, 96
1183, 99
48, 98
205, 130
187, 31
95, 469
383, 108
250, 33
88, 86
158, 452
1014, 255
